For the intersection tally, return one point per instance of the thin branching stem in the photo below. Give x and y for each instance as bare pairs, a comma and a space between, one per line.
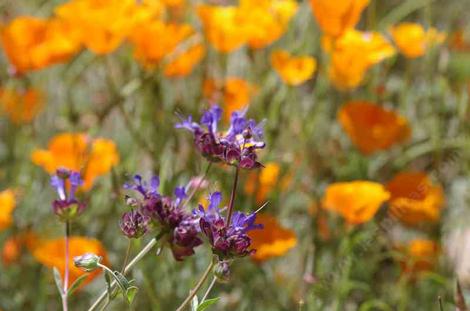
194, 291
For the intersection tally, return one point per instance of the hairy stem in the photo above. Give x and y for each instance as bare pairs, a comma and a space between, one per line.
127, 268
193, 292
66, 268
232, 197
214, 279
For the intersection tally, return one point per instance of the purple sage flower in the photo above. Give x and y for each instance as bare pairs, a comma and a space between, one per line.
237, 146
180, 227
134, 224
228, 241
67, 206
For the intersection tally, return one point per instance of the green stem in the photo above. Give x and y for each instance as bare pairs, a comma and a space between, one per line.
131, 264
194, 291
214, 279
232, 197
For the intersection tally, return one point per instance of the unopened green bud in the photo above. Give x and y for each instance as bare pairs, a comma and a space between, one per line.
87, 262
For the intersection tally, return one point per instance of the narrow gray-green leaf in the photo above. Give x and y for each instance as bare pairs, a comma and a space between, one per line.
58, 280
207, 303
76, 284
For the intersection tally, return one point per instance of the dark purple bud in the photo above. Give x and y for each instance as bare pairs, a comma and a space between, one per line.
134, 224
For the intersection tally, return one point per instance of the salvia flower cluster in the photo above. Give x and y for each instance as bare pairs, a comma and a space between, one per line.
182, 228
237, 146
66, 183
153, 210
228, 240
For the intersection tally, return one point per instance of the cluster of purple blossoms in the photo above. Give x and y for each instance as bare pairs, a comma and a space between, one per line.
67, 206
237, 146
228, 240
153, 209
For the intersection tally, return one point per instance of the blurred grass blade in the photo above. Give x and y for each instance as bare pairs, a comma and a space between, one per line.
401, 11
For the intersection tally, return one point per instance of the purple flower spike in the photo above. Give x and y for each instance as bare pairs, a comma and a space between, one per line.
228, 241
237, 146
67, 206
180, 227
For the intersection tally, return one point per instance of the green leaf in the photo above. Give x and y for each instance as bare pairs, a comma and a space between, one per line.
206, 304
76, 284
58, 280
194, 303
108, 283
130, 294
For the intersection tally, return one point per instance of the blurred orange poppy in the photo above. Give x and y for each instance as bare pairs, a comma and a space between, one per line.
151, 52
223, 26
266, 21
421, 255
183, 64
11, 250
414, 198
104, 24
7, 205
262, 183
51, 253
334, 17
371, 127
32, 43
78, 152
356, 201
234, 92
21, 106
413, 41
273, 241
293, 70
13, 246
352, 54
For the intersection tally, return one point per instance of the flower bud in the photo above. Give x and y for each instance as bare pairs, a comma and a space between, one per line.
87, 262
222, 271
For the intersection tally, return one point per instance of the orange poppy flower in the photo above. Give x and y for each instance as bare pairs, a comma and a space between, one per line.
223, 26
51, 253
371, 127
413, 41
104, 24
293, 70
334, 17
421, 255
414, 198
273, 241
32, 43
13, 246
78, 152
266, 21
352, 54
7, 205
234, 92
21, 106
263, 183
356, 201
11, 250
184, 63
151, 52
